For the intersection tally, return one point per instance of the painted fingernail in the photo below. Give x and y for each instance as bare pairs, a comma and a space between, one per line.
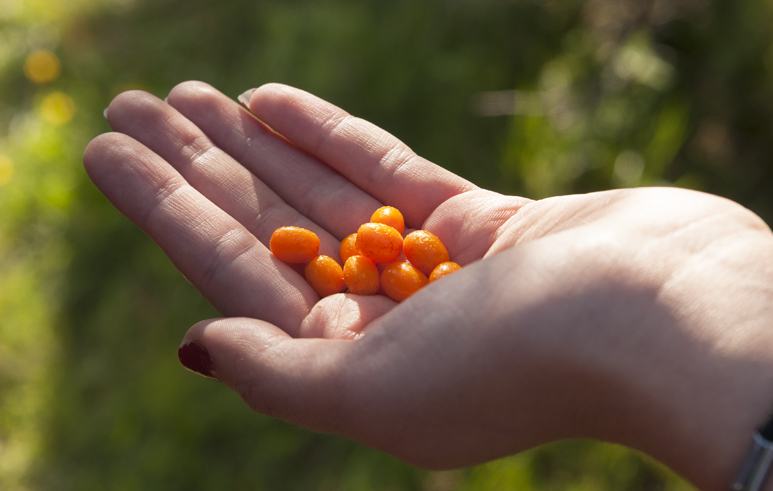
244, 97
195, 357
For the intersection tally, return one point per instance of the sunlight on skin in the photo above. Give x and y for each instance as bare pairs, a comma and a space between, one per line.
344, 316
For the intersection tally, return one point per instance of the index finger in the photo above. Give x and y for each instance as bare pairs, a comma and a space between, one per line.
373, 159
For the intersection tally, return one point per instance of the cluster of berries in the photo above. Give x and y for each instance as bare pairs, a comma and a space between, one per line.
376, 258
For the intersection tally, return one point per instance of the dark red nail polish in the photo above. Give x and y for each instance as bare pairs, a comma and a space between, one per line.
194, 357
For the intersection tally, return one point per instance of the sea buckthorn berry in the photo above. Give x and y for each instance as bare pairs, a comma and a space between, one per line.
325, 275
379, 242
401, 279
294, 244
443, 269
424, 250
348, 247
361, 276
389, 215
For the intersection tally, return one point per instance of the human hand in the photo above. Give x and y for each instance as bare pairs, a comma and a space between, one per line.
577, 316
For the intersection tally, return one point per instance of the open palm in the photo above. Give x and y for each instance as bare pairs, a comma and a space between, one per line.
210, 183
516, 349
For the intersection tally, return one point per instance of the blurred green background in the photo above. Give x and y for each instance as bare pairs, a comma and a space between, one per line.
528, 97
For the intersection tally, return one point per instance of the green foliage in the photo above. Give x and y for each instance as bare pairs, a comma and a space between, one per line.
535, 98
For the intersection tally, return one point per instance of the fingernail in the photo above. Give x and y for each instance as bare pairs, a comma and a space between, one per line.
244, 98
195, 358
104, 112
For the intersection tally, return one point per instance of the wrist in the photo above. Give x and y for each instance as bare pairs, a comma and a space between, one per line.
704, 426
698, 380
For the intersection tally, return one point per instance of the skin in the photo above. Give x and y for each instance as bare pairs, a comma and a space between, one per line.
638, 316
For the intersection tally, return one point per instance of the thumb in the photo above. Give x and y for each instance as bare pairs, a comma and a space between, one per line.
303, 381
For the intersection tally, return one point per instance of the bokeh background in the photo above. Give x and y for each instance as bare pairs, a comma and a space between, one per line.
528, 97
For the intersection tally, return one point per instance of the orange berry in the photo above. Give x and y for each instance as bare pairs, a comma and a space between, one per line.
443, 269
424, 250
389, 215
401, 279
348, 247
294, 244
361, 276
325, 275
379, 242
